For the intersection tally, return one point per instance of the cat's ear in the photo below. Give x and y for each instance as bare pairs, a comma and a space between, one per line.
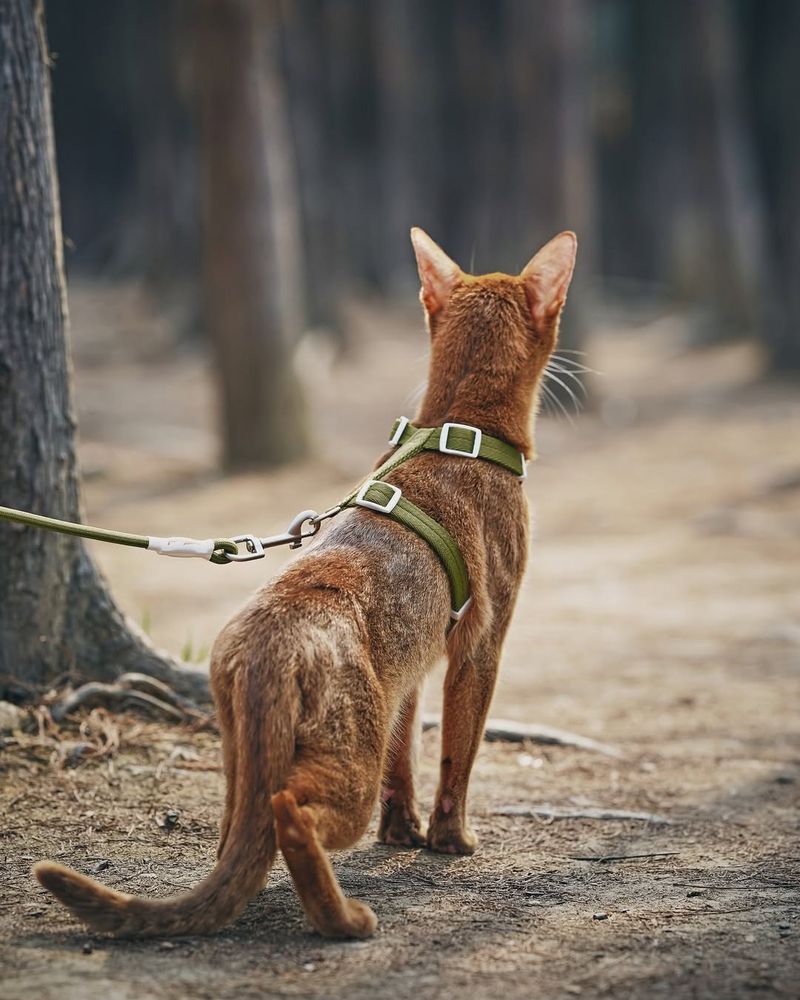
547, 276
437, 273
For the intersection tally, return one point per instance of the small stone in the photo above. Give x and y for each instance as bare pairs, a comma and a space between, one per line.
100, 866
167, 946
169, 820
87, 949
750, 939
10, 718
784, 779
309, 967
600, 916
75, 754
694, 892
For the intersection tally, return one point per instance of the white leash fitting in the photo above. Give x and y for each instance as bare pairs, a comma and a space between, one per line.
248, 546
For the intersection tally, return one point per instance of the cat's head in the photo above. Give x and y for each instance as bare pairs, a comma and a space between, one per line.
491, 335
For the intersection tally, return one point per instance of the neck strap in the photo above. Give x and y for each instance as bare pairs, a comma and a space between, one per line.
464, 441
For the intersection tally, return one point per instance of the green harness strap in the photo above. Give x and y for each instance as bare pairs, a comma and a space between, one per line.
466, 441
385, 498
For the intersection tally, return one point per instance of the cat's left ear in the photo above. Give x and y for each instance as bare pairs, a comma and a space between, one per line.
437, 273
547, 276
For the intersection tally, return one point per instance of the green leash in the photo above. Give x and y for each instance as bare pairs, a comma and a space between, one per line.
216, 550
461, 440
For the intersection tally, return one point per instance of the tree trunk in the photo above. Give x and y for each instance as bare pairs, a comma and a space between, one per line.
307, 59
552, 141
724, 267
252, 237
408, 136
56, 613
775, 81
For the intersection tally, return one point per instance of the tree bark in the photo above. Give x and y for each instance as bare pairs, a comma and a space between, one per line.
252, 236
56, 612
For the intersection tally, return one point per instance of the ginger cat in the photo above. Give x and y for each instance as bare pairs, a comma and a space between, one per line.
316, 680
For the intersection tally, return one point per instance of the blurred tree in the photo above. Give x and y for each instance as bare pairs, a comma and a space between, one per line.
56, 612
252, 241
552, 163
307, 58
725, 263
772, 33
123, 127
680, 198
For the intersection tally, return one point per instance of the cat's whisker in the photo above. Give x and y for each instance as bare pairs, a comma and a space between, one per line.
554, 378
553, 398
569, 374
576, 365
413, 398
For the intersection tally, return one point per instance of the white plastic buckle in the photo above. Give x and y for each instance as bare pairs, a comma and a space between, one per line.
456, 615
386, 508
182, 548
402, 423
445, 434
524, 467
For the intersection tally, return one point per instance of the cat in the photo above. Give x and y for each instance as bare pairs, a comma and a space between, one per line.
316, 681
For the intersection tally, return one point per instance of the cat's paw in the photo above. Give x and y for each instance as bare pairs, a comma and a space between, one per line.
362, 922
447, 835
355, 920
400, 825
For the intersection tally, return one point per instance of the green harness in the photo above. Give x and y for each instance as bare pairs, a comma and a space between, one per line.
385, 498
374, 494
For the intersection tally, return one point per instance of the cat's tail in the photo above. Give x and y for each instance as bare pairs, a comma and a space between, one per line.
265, 714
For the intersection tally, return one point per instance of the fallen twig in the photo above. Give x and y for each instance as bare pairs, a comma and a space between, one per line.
604, 858
546, 811
96, 694
129, 691
763, 887
163, 692
506, 731
700, 913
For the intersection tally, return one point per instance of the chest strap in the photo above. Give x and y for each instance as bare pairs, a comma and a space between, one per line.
386, 498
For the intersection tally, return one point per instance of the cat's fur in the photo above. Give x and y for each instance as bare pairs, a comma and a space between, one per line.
316, 679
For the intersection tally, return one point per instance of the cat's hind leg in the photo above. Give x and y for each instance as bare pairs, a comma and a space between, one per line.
303, 832
400, 823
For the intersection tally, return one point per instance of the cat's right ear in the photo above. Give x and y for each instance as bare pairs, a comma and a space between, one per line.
547, 276
437, 273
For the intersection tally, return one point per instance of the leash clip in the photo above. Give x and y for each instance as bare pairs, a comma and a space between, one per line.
251, 547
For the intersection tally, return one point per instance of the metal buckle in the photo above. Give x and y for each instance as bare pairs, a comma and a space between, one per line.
524, 467
253, 549
456, 615
445, 434
386, 508
402, 423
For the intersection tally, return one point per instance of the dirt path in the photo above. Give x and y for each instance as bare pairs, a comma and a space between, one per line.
661, 614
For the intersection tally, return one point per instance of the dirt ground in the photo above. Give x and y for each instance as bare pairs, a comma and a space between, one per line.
660, 614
